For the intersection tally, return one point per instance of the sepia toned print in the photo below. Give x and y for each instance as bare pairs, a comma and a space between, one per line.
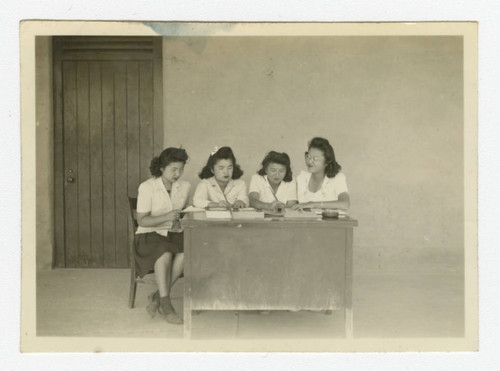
392, 268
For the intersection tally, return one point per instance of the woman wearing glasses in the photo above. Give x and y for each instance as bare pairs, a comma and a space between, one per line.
273, 187
323, 185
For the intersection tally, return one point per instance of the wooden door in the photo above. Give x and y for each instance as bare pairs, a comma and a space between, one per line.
108, 126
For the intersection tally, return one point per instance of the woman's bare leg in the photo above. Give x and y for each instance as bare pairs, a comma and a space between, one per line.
177, 267
163, 273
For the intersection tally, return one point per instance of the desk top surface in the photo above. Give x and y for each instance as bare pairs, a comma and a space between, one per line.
196, 219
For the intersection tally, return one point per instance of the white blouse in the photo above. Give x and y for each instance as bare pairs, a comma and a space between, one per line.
287, 191
153, 198
329, 191
208, 190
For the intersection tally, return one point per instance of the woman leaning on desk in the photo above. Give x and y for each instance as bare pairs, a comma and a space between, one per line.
220, 184
273, 187
323, 185
159, 239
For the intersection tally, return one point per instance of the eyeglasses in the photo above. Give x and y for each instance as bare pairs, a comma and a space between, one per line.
313, 158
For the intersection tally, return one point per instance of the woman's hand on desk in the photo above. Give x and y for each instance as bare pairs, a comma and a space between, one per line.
223, 203
301, 206
276, 206
238, 204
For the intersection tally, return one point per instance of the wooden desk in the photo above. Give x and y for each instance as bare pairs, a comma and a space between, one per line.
267, 265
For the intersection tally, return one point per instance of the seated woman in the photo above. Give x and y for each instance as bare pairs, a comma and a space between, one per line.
273, 187
323, 185
159, 238
221, 185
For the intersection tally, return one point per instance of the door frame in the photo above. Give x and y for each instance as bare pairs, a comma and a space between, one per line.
80, 48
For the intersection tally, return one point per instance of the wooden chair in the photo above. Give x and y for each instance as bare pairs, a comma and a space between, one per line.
134, 279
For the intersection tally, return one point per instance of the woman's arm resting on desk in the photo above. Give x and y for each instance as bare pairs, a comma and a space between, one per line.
147, 220
219, 204
255, 203
342, 203
201, 198
238, 204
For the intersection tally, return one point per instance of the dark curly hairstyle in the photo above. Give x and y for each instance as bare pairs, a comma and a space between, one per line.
224, 153
277, 158
168, 156
332, 166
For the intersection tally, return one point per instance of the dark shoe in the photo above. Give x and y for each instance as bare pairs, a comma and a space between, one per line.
166, 309
153, 303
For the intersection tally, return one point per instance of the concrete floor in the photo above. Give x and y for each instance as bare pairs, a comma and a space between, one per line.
400, 303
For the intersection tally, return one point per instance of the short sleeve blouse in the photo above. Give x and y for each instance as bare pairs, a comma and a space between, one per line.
287, 191
153, 198
208, 190
329, 191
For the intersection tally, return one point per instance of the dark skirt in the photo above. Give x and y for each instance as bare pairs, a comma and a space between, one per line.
148, 247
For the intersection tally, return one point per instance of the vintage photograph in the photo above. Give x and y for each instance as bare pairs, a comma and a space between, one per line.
249, 186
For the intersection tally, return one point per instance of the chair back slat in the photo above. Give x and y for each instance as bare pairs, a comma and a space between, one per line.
132, 222
132, 204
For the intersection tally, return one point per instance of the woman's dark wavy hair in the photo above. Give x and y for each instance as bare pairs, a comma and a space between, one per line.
332, 166
277, 158
224, 153
168, 156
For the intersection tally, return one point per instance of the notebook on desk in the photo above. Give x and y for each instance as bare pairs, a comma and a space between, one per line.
300, 214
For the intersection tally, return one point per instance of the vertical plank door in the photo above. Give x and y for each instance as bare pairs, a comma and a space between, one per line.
108, 126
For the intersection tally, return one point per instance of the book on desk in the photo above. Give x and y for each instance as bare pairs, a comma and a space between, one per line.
254, 214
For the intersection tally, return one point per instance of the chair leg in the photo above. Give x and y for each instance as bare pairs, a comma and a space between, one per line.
133, 289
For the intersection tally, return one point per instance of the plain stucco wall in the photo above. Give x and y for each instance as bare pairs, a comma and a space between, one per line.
44, 153
391, 106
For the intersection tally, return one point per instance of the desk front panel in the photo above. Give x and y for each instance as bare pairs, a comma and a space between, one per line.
259, 266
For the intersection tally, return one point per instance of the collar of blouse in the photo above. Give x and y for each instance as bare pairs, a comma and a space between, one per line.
326, 180
214, 184
175, 185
